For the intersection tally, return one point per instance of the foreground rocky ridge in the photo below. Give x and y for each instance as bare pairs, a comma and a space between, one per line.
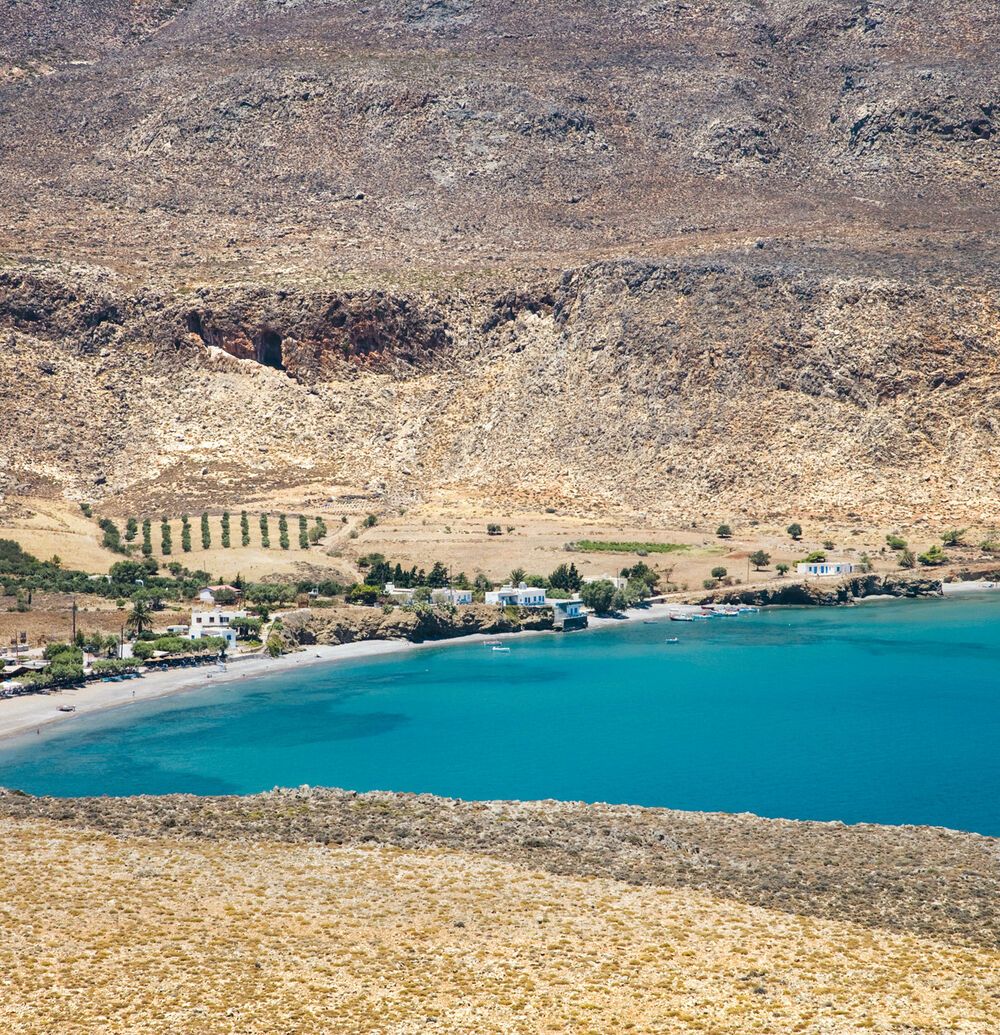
924, 880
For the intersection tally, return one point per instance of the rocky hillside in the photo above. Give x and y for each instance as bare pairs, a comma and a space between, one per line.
653, 258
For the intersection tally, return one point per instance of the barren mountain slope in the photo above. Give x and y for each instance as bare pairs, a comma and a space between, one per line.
662, 258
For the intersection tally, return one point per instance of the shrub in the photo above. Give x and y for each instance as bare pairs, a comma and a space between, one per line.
906, 559
781, 568
895, 542
494, 529
933, 557
244, 528
370, 521
710, 584
226, 541
795, 530
724, 532
131, 529
760, 559
828, 544
719, 573
283, 531
362, 593
265, 535
954, 537
88, 511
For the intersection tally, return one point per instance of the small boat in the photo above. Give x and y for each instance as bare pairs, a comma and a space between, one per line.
67, 707
681, 618
502, 650
671, 639
492, 643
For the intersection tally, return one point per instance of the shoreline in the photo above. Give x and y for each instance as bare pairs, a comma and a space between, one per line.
19, 716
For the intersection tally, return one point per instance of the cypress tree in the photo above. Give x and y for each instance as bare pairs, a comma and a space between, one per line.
244, 528
265, 535
166, 543
185, 533
206, 533
225, 530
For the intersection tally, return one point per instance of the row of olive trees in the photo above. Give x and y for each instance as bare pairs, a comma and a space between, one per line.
308, 535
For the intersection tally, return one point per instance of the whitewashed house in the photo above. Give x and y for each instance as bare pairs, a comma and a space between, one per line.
616, 580
451, 596
568, 614
399, 593
215, 623
517, 596
207, 593
824, 568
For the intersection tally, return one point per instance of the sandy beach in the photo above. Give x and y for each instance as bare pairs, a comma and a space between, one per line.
23, 715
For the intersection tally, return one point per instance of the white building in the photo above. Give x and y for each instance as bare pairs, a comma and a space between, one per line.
400, 593
616, 580
207, 593
824, 568
451, 596
569, 614
215, 623
519, 596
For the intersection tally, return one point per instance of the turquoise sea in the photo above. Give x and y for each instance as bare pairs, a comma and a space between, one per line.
887, 712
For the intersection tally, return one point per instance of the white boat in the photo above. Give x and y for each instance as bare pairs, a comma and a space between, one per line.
492, 643
672, 639
502, 650
681, 618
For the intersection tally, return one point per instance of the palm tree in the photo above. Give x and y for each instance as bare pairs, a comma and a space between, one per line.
140, 619
517, 576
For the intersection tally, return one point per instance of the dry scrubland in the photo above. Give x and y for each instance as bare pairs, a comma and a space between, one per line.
145, 935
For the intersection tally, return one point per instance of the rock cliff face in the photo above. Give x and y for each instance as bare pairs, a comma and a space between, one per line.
664, 259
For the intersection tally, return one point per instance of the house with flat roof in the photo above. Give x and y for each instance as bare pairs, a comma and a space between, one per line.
824, 568
569, 614
517, 596
448, 595
215, 623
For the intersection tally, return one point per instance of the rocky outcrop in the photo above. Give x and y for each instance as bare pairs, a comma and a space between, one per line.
830, 593
349, 624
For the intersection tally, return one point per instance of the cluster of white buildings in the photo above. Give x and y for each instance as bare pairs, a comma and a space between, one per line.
405, 594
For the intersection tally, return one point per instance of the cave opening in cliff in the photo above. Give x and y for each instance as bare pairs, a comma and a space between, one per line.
269, 350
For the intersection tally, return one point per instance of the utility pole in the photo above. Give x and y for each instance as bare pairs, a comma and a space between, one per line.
73, 613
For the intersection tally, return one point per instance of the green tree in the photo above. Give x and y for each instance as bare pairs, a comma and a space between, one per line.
719, 573
362, 593
147, 537
724, 532
933, 557
185, 533
265, 535
795, 530
226, 542
88, 511
370, 521
283, 531
517, 576
781, 568
598, 595
112, 537
166, 542
760, 559
244, 528
131, 529
140, 618
438, 577
206, 532
303, 532
816, 557
566, 577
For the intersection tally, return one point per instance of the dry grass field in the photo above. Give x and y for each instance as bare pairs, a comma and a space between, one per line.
149, 935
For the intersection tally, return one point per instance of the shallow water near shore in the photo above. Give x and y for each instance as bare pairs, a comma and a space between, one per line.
887, 713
